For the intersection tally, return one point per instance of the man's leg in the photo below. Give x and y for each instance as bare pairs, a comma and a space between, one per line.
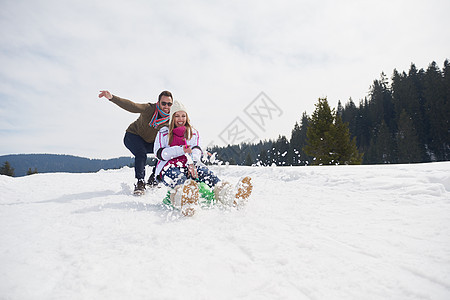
138, 147
152, 180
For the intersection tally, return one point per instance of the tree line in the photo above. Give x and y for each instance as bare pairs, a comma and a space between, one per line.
404, 120
27, 164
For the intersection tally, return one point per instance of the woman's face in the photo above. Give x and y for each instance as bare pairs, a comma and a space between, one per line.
180, 118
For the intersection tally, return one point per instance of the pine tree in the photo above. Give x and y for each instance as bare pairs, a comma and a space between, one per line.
279, 151
298, 141
263, 159
248, 160
407, 140
319, 144
349, 115
363, 126
344, 148
6, 169
328, 138
381, 107
384, 145
446, 108
408, 95
437, 110
294, 156
31, 172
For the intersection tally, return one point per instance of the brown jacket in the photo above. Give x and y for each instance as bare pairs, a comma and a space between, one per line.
141, 126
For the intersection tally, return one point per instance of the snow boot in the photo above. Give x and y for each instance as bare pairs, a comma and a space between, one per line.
152, 182
224, 193
234, 196
244, 189
185, 197
139, 188
175, 196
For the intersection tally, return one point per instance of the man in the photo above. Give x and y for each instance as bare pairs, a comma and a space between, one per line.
140, 135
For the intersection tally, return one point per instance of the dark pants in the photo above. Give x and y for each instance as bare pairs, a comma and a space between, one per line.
139, 148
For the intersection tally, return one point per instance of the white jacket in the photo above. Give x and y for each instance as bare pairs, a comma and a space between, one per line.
164, 152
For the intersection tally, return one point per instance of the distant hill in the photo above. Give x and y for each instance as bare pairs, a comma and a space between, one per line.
49, 163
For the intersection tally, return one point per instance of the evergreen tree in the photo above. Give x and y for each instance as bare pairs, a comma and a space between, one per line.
349, 114
263, 159
248, 160
340, 109
328, 138
294, 155
381, 107
384, 146
31, 172
344, 150
279, 151
319, 144
407, 90
6, 169
298, 141
363, 126
407, 140
437, 111
446, 108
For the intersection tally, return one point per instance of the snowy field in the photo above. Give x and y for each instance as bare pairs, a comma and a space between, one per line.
341, 232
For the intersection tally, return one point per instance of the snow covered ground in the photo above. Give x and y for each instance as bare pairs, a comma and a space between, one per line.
340, 232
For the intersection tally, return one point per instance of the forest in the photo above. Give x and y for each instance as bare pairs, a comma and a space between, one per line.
404, 119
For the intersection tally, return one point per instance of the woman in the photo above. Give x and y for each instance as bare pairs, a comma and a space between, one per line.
179, 167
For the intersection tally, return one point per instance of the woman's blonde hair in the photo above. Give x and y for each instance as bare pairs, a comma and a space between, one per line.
187, 133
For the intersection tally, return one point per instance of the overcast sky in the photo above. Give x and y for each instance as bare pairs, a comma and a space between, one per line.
245, 67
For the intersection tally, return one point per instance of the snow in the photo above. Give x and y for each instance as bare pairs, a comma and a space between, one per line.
337, 232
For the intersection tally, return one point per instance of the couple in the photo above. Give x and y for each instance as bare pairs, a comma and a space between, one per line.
164, 128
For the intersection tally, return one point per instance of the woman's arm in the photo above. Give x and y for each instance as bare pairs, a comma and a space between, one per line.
194, 142
162, 149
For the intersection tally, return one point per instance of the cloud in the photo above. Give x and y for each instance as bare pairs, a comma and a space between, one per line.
215, 56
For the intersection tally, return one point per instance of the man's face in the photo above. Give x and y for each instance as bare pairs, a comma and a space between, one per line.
165, 103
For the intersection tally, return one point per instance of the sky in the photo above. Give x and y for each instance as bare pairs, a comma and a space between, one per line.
245, 70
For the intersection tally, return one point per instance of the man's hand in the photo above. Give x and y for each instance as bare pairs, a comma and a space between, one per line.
105, 94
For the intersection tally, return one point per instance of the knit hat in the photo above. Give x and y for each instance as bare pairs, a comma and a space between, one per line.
177, 106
